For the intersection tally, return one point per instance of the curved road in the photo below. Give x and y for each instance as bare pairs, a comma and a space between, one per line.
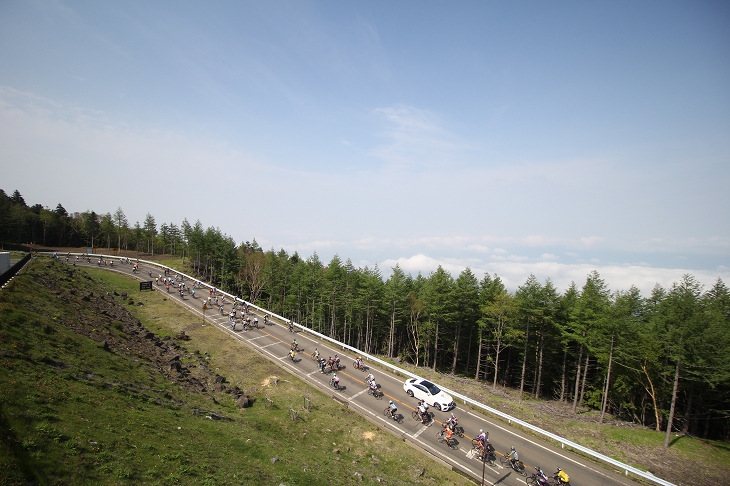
274, 341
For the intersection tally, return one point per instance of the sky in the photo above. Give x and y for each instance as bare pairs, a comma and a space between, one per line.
517, 138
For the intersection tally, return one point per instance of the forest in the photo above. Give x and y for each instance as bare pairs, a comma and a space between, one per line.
657, 360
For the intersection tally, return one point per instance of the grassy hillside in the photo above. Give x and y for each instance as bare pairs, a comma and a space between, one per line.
96, 390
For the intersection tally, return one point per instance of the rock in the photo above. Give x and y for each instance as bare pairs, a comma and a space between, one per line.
417, 471
379, 479
105, 345
335, 451
219, 379
244, 402
274, 460
139, 303
131, 302
337, 458
358, 476
182, 336
176, 365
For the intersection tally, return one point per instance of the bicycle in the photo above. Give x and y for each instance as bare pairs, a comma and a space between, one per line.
388, 412
532, 480
359, 366
518, 466
417, 416
451, 442
376, 393
335, 383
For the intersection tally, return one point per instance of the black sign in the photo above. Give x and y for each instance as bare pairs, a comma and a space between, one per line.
145, 285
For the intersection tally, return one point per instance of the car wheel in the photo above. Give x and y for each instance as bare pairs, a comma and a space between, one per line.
410, 393
437, 406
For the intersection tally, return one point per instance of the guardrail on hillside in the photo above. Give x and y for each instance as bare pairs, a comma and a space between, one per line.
7, 276
563, 442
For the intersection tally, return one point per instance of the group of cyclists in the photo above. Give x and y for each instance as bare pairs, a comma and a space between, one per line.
326, 365
481, 444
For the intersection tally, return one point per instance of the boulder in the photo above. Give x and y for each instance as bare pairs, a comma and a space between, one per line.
244, 401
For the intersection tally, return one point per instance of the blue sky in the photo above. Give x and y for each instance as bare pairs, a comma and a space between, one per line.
516, 138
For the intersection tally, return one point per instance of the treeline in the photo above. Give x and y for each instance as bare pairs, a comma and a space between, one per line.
653, 360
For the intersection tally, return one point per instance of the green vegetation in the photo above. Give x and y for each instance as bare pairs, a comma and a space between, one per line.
588, 355
73, 412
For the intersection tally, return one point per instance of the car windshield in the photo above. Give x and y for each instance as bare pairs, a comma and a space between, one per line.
432, 389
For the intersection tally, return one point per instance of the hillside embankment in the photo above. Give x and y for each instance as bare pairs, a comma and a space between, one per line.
102, 384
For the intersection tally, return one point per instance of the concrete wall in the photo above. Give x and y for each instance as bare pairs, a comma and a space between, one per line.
4, 261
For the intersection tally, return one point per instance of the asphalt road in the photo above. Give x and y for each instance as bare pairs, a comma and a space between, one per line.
274, 341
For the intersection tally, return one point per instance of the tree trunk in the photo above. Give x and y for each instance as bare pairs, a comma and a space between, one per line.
456, 349
688, 410
585, 378
563, 379
479, 356
524, 358
391, 334
577, 379
608, 381
672, 406
539, 365
496, 362
436, 345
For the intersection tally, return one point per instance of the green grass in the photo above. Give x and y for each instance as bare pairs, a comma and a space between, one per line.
72, 413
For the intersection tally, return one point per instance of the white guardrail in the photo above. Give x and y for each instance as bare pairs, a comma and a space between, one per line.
563, 442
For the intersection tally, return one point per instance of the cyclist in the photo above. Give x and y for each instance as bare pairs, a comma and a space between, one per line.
358, 362
266, 320
369, 378
294, 344
373, 388
291, 326
323, 365
449, 434
316, 354
292, 354
561, 476
335, 381
423, 411
542, 479
452, 422
513, 456
392, 408
256, 322
482, 437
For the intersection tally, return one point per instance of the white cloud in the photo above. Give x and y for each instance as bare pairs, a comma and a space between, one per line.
417, 139
549, 256
514, 274
592, 240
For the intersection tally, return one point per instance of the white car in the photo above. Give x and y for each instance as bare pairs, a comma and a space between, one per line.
429, 393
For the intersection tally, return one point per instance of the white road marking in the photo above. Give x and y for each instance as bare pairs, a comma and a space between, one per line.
266, 346
357, 394
423, 429
541, 446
